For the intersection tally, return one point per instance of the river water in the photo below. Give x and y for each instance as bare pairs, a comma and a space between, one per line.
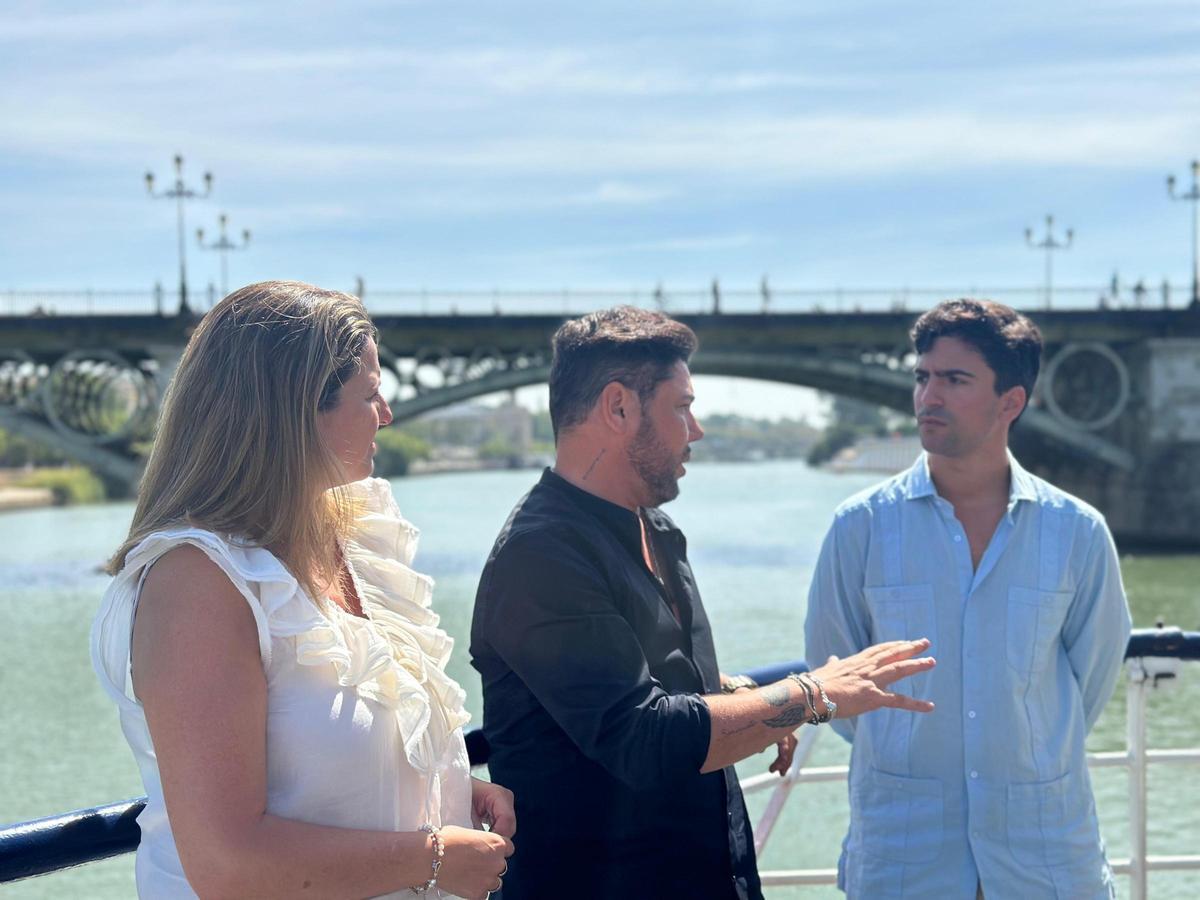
754, 531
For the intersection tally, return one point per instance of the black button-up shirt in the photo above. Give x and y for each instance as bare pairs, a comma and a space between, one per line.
591, 704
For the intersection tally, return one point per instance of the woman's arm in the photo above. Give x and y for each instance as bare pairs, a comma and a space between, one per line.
199, 676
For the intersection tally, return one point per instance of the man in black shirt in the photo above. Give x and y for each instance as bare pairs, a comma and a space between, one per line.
603, 702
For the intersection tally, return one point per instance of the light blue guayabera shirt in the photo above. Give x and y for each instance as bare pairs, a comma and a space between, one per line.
992, 787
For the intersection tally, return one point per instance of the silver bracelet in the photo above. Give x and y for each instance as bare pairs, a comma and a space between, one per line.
809, 699
830, 706
439, 851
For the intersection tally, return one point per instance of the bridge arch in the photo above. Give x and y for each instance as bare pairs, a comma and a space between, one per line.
885, 384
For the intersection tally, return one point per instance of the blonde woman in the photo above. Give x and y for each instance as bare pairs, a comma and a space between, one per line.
277, 667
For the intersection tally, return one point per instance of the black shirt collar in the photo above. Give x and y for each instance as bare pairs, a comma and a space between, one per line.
620, 521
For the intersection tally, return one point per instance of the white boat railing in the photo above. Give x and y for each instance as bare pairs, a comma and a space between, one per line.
1144, 675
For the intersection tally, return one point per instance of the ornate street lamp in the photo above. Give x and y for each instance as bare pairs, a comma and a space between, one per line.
180, 193
1049, 244
223, 245
1193, 196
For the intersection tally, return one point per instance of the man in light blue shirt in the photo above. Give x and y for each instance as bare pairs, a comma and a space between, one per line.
1017, 585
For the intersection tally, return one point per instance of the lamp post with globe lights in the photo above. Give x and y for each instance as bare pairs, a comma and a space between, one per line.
223, 245
1049, 244
180, 193
1192, 196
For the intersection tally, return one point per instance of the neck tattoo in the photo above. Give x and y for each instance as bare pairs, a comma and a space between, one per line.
588, 473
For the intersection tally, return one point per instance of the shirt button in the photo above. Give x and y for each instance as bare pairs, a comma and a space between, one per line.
971, 714
974, 774
958, 539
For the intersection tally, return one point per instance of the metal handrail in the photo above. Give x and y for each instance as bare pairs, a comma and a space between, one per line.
87, 835
1152, 655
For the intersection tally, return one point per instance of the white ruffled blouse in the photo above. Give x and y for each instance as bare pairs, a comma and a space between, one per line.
364, 727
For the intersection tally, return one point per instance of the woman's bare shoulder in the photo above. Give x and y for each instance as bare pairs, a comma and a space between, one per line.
186, 582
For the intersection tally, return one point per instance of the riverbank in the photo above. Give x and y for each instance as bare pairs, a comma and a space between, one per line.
34, 487
17, 498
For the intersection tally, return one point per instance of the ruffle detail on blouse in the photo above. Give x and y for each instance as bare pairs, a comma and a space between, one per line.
397, 655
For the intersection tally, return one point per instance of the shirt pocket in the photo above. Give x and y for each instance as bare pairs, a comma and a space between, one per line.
1034, 622
1053, 823
897, 818
903, 613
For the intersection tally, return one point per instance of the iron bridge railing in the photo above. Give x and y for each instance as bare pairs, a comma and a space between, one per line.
677, 300
58, 842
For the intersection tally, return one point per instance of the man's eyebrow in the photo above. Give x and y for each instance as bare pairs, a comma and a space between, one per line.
945, 373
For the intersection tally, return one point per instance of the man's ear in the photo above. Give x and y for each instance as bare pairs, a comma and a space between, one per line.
1012, 402
616, 407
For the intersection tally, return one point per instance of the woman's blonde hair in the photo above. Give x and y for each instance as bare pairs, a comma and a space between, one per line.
237, 449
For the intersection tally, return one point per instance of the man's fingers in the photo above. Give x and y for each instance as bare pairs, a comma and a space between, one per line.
902, 701
902, 669
897, 650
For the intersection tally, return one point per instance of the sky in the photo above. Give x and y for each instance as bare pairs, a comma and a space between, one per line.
606, 146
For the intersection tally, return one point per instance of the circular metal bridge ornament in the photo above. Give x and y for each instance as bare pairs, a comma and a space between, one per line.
1087, 386
19, 380
99, 396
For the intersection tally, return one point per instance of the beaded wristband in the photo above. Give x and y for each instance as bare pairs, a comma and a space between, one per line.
830, 706
439, 851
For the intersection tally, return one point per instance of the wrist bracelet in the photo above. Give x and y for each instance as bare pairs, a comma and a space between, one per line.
809, 700
737, 682
439, 851
830, 706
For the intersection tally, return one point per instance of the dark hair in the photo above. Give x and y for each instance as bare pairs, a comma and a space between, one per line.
1009, 342
634, 346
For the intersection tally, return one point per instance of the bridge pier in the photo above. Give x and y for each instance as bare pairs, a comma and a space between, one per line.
1156, 502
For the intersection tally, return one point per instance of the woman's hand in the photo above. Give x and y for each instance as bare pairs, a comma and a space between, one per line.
785, 749
492, 804
857, 684
474, 861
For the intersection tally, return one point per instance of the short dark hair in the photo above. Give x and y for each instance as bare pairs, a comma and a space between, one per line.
634, 346
1008, 341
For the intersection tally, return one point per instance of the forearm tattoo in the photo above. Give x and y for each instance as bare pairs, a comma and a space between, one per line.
779, 694
789, 718
776, 694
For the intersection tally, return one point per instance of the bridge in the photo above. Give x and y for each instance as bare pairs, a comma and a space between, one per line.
1115, 419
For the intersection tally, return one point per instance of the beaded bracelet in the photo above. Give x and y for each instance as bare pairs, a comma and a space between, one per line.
439, 851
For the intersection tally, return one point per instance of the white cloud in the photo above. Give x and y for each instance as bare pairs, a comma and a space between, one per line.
620, 193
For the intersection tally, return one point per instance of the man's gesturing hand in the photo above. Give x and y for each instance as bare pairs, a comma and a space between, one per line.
858, 683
